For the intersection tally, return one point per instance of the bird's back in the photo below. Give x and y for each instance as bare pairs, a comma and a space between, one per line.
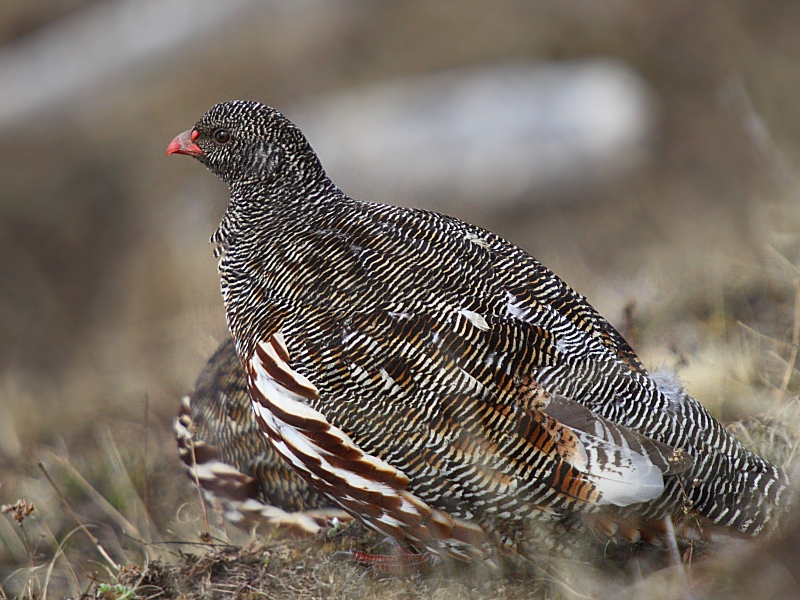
426, 336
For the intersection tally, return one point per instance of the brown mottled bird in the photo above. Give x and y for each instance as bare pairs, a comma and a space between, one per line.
439, 383
225, 452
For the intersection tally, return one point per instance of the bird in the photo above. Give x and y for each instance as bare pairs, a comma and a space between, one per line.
224, 452
440, 384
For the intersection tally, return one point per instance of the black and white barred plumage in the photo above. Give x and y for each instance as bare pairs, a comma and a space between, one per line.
438, 382
225, 453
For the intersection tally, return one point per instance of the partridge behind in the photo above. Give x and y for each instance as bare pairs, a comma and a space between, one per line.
436, 381
225, 453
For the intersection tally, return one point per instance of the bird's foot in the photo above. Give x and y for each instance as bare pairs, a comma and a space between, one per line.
399, 564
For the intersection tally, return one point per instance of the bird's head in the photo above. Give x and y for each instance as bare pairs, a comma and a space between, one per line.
246, 143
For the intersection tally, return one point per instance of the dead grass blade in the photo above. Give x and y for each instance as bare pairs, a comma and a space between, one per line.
124, 483
52, 563
88, 533
87, 488
790, 366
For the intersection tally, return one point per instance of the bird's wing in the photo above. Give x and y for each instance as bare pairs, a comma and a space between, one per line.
411, 353
428, 242
398, 428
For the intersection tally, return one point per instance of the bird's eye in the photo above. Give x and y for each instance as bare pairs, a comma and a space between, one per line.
221, 136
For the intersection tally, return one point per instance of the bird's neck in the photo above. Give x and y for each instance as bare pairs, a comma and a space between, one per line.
256, 207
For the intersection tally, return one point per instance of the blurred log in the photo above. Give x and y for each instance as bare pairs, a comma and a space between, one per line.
490, 136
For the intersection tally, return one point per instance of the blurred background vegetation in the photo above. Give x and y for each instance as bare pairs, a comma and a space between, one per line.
109, 303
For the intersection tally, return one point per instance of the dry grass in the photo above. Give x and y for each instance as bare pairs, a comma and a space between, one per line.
714, 222
109, 522
98, 531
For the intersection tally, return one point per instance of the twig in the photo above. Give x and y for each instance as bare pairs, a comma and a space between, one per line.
672, 542
787, 375
94, 540
59, 548
760, 135
783, 260
145, 567
96, 497
85, 594
761, 337
675, 555
220, 543
51, 566
121, 473
199, 489
146, 436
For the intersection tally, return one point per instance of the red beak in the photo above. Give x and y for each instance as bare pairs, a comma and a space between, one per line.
184, 144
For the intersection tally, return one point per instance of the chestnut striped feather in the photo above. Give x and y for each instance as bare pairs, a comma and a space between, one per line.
224, 450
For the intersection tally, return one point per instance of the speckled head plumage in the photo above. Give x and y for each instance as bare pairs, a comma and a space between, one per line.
245, 142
